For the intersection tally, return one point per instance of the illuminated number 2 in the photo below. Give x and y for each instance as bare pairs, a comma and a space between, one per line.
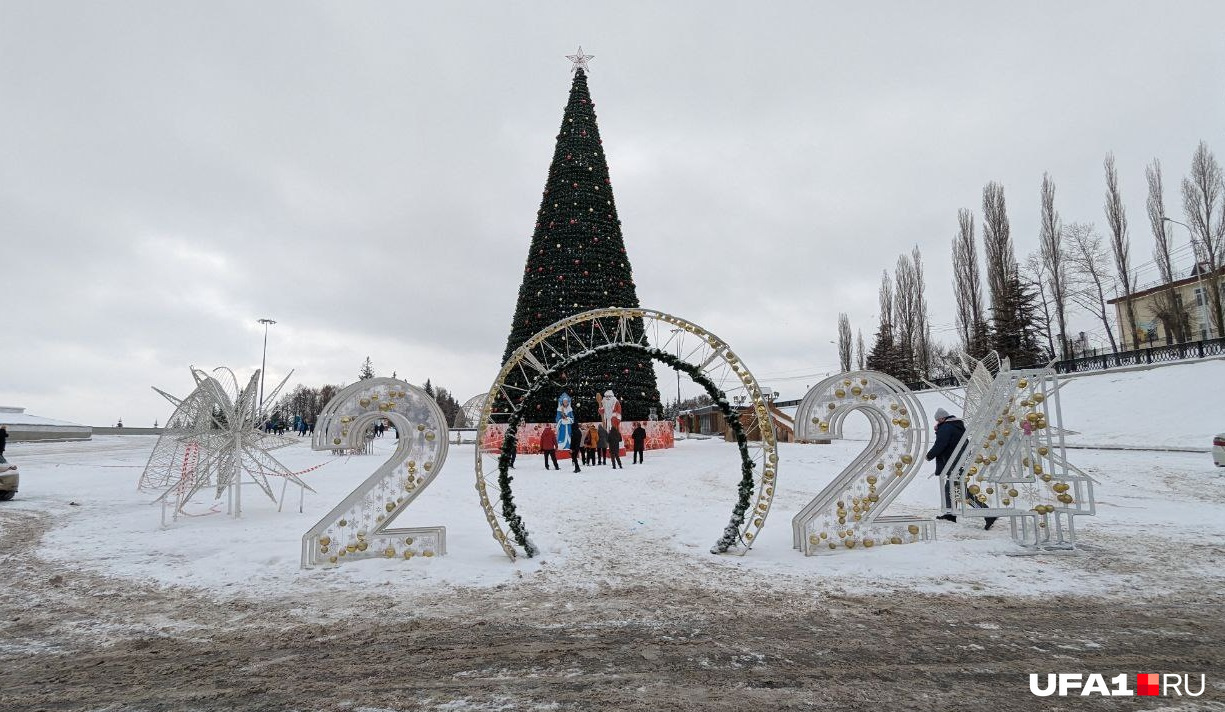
359, 527
849, 511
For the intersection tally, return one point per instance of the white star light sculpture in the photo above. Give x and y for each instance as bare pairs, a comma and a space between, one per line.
580, 60
212, 438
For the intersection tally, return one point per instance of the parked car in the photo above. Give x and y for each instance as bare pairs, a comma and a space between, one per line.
8, 481
1218, 450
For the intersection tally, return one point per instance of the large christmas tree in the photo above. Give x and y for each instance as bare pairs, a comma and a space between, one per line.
577, 262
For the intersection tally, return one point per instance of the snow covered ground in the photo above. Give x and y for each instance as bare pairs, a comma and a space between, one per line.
1161, 517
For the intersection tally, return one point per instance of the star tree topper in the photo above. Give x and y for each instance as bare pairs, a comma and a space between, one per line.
580, 60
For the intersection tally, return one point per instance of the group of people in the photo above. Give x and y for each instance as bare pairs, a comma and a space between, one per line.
592, 445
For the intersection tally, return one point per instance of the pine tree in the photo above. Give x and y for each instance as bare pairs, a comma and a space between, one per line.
367, 371
577, 261
429, 389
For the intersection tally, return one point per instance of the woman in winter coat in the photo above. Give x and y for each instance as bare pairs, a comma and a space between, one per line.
548, 446
592, 443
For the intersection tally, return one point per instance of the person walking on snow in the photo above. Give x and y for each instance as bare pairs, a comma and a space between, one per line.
601, 437
576, 448
548, 446
614, 448
949, 432
639, 437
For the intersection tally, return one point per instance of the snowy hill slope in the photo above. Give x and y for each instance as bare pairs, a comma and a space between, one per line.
1175, 406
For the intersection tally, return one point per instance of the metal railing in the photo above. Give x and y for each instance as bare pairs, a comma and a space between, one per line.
1142, 357
1167, 353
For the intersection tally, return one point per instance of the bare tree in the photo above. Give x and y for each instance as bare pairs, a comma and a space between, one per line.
1205, 209
844, 342
1034, 277
1087, 260
967, 287
922, 346
859, 349
1168, 307
885, 300
997, 243
1120, 243
1014, 323
884, 354
1054, 262
906, 317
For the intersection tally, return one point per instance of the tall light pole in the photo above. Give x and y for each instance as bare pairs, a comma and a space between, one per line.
678, 371
263, 363
1202, 299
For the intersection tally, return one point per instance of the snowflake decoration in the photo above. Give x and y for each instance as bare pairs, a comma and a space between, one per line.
213, 437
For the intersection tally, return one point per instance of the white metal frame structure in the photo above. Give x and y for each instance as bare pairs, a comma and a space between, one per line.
213, 438
663, 337
1013, 460
472, 409
359, 527
849, 512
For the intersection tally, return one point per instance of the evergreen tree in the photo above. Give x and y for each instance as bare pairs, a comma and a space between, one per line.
886, 355
429, 389
883, 356
577, 261
1017, 331
367, 371
1015, 325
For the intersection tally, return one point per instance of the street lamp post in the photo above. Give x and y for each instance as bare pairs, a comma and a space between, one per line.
263, 364
678, 372
1202, 299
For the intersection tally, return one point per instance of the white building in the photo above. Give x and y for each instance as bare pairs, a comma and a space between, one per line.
23, 426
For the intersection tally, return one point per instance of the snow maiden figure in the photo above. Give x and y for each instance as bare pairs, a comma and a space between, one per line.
565, 419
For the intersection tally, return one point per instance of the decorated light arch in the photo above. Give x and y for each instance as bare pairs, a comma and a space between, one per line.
676, 342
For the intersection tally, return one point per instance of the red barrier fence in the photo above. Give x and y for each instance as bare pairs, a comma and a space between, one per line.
659, 436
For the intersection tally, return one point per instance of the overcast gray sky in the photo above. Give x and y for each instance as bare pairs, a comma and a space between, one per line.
367, 173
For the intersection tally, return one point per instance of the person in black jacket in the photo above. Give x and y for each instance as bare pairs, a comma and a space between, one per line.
639, 436
614, 448
4, 436
949, 432
576, 447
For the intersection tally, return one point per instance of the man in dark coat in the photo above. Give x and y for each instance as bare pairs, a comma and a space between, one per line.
602, 443
614, 448
576, 448
639, 436
4, 436
949, 432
